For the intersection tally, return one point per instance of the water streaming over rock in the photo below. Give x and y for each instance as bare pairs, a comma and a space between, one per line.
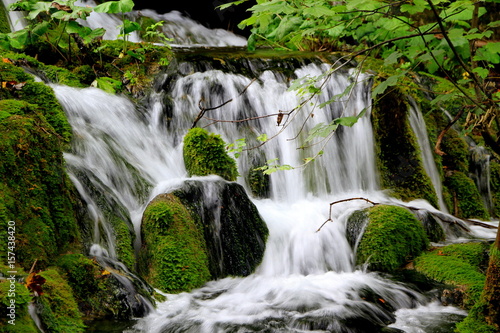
417, 123
123, 155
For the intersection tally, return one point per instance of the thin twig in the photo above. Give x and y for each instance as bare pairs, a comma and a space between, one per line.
339, 201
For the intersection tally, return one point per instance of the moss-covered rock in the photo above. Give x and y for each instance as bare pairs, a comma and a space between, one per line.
174, 252
37, 193
456, 152
98, 291
398, 152
14, 301
58, 309
205, 154
392, 237
234, 231
202, 231
459, 265
4, 20
467, 200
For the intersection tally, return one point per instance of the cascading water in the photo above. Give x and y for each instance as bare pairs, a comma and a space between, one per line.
307, 280
417, 123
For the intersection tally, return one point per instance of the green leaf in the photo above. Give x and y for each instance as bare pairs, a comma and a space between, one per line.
107, 84
382, 86
320, 11
227, 5
129, 26
38, 8
322, 130
139, 56
392, 58
114, 7
262, 137
482, 72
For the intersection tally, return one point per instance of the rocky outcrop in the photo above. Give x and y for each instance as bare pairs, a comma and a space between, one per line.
206, 229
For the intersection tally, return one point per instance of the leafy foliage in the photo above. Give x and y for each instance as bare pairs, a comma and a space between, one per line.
450, 39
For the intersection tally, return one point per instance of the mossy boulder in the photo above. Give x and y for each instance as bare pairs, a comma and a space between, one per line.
466, 198
235, 233
174, 254
461, 266
99, 290
205, 154
398, 153
57, 306
36, 192
201, 231
392, 237
14, 290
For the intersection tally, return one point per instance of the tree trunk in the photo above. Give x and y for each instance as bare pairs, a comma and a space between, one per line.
492, 288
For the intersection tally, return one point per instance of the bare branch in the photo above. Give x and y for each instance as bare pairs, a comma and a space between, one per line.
203, 110
339, 201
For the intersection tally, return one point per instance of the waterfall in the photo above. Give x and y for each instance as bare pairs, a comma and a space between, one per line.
16, 18
123, 155
419, 128
480, 166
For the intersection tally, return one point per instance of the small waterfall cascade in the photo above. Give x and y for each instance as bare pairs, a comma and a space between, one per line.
16, 18
186, 32
480, 165
419, 128
347, 163
124, 155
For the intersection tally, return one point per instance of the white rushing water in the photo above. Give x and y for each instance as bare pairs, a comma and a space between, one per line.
417, 123
307, 280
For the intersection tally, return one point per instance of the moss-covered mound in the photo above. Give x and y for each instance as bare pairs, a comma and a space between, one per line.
202, 231
392, 237
398, 152
35, 191
14, 301
205, 154
459, 265
467, 200
174, 254
58, 308
234, 231
99, 292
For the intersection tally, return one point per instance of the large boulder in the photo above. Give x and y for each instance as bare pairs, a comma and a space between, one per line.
391, 237
206, 229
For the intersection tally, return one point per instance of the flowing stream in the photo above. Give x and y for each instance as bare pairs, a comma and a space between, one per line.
307, 280
123, 155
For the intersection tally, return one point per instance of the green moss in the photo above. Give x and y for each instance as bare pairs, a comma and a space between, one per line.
398, 153
475, 321
20, 295
456, 152
124, 242
205, 154
62, 76
43, 96
58, 308
458, 265
468, 202
393, 236
174, 248
4, 20
39, 196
